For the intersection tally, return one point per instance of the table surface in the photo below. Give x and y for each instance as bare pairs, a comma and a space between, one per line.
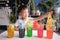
3, 36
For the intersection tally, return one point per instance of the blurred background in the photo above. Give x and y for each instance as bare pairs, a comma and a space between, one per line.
9, 11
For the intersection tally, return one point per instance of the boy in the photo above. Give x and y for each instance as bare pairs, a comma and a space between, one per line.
23, 13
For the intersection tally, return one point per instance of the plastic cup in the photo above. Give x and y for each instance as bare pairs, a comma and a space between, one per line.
29, 28
35, 25
40, 32
29, 31
50, 34
21, 30
10, 31
21, 33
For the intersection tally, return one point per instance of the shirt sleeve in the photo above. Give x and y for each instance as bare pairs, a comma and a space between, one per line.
17, 23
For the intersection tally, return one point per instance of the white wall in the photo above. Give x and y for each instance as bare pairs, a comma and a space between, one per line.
4, 16
57, 9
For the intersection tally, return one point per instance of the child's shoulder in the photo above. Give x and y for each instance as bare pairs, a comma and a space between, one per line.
19, 20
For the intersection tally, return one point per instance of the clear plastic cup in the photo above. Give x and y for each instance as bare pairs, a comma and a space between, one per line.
29, 28
49, 33
10, 31
40, 32
21, 30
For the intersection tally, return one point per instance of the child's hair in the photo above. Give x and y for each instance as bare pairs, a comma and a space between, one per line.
22, 7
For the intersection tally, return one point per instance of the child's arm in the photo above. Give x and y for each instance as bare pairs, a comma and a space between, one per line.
16, 28
43, 16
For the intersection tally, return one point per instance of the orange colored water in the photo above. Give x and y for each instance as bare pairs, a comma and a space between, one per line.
50, 33
10, 31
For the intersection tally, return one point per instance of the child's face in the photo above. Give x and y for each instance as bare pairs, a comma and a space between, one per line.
24, 13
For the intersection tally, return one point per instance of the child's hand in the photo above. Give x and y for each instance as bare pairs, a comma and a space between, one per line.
40, 25
51, 12
16, 28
